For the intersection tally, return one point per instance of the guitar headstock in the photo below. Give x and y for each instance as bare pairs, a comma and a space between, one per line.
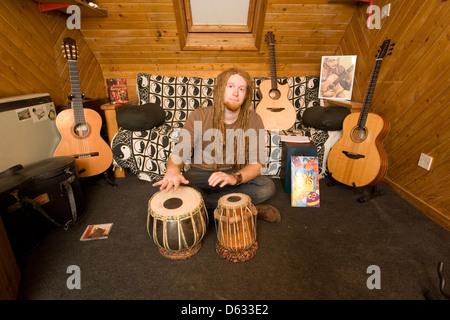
385, 47
270, 37
70, 49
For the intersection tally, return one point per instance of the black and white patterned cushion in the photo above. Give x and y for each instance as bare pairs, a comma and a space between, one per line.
145, 153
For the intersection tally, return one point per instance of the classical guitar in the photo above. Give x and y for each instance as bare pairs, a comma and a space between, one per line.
358, 158
80, 128
275, 108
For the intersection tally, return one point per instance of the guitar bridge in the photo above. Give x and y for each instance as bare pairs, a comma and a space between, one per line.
353, 155
86, 155
275, 109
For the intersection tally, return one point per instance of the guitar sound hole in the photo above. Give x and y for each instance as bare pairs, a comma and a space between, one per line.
359, 134
81, 131
275, 94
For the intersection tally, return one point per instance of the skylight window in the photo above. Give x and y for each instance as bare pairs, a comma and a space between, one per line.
220, 24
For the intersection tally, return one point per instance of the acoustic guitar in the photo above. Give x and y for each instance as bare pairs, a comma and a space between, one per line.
358, 158
275, 108
80, 128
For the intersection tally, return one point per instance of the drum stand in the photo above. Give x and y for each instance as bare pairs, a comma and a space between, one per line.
236, 256
182, 254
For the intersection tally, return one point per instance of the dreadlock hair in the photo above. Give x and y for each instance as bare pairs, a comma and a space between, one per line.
219, 108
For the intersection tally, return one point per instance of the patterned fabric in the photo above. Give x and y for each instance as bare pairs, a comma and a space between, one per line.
145, 153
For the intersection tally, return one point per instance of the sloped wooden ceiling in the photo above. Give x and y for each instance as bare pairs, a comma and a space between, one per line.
142, 35
31, 60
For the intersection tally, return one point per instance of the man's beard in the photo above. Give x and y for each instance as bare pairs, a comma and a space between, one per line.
233, 106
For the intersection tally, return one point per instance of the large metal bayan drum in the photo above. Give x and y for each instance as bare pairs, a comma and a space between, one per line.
235, 220
177, 221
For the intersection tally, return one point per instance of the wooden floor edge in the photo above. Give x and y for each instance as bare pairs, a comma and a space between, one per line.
429, 211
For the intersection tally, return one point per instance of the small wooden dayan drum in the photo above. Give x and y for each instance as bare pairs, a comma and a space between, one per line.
177, 221
235, 220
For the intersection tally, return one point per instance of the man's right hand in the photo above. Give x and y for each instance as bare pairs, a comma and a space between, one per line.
171, 180
173, 177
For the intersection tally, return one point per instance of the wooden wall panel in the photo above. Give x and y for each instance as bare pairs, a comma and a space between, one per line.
142, 36
31, 60
412, 93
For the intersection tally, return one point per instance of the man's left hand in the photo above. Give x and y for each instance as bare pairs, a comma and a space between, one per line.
222, 179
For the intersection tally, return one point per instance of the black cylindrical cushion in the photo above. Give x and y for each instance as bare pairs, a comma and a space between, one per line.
325, 118
138, 118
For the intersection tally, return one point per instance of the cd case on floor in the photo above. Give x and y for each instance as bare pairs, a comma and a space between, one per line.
96, 231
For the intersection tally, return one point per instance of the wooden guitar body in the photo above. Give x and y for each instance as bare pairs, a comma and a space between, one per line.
83, 142
80, 128
358, 159
275, 109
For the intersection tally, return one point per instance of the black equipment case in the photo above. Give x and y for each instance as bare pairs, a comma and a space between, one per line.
38, 199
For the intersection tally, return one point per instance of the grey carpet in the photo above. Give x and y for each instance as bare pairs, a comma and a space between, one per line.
313, 254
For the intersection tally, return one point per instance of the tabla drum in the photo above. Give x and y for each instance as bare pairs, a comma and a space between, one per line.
235, 220
177, 221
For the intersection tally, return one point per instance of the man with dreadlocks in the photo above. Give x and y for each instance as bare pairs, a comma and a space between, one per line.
220, 174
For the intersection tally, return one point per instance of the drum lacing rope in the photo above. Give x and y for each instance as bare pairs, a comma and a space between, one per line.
248, 229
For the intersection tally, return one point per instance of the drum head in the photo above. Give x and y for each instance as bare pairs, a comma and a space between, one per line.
175, 203
234, 200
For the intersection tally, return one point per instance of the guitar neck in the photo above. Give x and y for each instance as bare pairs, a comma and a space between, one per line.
273, 67
77, 100
369, 94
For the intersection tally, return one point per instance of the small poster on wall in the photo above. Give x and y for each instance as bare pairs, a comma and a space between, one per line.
336, 77
117, 90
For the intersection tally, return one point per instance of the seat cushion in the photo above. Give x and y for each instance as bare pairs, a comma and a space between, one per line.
325, 118
138, 118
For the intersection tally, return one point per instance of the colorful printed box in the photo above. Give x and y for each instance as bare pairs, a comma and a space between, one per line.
305, 181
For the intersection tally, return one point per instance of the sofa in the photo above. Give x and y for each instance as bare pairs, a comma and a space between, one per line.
145, 152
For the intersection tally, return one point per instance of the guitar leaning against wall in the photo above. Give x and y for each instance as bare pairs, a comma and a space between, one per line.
80, 128
358, 159
275, 108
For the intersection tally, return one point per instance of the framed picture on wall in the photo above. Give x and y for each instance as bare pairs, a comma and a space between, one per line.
336, 77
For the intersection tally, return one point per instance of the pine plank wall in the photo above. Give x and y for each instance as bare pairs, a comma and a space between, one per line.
142, 36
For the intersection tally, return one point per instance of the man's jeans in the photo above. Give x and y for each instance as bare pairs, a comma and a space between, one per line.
259, 189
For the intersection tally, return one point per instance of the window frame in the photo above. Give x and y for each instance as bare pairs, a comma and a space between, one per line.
244, 37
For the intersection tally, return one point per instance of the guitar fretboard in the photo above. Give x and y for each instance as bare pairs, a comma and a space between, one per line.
369, 94
77, 100
273, 67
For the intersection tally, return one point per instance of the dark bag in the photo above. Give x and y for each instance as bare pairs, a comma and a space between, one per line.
38, 199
